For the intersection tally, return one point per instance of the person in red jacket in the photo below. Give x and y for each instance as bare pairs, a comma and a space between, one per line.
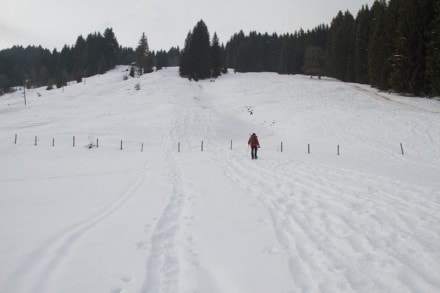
254, 144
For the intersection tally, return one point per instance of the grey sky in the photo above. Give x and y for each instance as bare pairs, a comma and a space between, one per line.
53, 23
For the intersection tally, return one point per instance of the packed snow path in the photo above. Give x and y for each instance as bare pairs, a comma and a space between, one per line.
74, 219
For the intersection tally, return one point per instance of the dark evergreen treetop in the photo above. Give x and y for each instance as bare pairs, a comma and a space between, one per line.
199, 60
143, 56
200, 52
216, 57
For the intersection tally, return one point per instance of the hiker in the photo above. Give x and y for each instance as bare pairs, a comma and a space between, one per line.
254, 144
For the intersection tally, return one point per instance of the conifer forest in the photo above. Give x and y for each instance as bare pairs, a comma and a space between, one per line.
393, 46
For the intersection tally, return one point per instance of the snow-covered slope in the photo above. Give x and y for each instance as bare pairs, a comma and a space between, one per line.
102, 219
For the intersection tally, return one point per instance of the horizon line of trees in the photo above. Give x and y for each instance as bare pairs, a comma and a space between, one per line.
35, 66
394, 45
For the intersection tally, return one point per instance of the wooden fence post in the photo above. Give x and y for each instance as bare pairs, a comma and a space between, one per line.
202, 146
15, 141
97, 142
178, 147
142, 147
401, 148
53, 141
35, 140
231, 144
308, 148
281, 146
121, 145
73, 141
338, 149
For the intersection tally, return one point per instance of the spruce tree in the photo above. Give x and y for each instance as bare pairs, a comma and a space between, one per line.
110, 49
200, 52
78, 58
433, 52
196, 56
143, 58
341, 47
185, 60
232, 48
286, 62
362, 38
161, 60
380, 45
408, 58
216, 57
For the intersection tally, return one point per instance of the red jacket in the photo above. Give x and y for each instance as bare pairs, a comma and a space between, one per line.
253, 141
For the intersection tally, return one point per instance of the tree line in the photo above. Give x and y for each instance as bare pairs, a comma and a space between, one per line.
35, 66
394, 45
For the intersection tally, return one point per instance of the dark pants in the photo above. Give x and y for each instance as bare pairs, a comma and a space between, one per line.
254, 152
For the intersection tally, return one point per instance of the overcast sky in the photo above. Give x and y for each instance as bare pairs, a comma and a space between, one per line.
54, 23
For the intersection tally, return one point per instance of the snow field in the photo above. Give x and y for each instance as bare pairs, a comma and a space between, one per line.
105, 220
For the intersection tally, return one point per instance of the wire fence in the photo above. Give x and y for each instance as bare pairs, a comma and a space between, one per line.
91, 143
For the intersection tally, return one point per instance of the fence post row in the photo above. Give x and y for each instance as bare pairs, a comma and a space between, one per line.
338, 147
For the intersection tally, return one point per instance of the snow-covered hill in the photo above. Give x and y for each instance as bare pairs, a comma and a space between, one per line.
102, 219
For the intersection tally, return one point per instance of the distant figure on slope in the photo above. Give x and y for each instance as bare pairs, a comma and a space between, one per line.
254, 144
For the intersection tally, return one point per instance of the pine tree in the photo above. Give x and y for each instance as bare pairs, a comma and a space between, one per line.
362, 38
341, 47
79, 58
216, 57
174, 56
408, 58
185, 60
232, 48
196, 56
380, 46
110, 49
143, 58
200, 52
433, 52
286, 62
161, 60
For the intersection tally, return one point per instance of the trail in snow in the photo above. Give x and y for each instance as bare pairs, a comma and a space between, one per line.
47, 258
351, 241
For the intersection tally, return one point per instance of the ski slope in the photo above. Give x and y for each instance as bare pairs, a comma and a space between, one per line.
102, 219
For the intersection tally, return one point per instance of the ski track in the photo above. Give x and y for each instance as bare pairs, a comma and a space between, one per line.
319, 234
164, 264
46, 260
